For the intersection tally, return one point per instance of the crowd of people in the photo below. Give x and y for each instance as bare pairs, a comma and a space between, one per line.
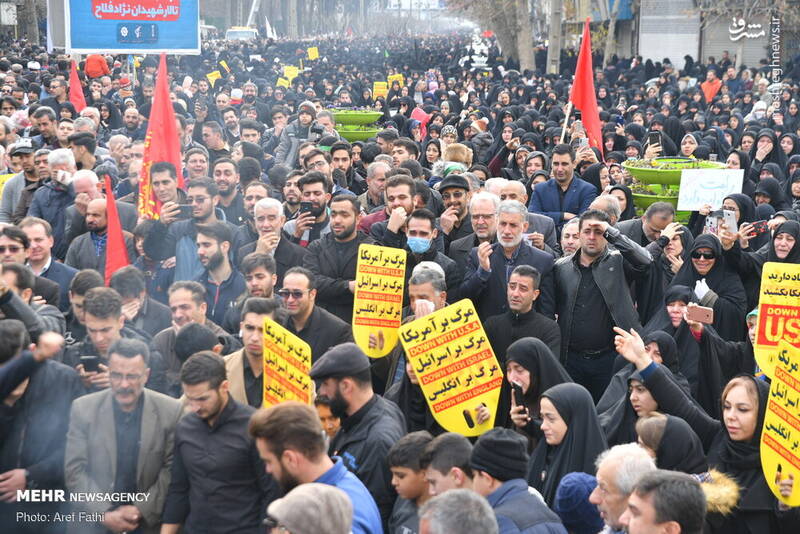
619, 410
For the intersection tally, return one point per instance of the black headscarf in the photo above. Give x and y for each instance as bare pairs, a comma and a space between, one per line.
592, 175
680, 448
578, 450
545, 369
731, 304
630, 208
619, 421
747, 208
771, 187
792, 228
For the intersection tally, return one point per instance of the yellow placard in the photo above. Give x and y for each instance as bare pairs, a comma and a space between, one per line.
313, 53
213, 77
378, 306
396, 78
224, 65
287, 362
780, 437
3, 179
778, 312
283, 82
380, 89
290, 72
455, 366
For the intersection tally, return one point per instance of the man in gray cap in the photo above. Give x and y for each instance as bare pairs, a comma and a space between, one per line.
370, 424
21, 153
310, 509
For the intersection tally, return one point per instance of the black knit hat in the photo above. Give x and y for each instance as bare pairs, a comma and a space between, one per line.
501, 453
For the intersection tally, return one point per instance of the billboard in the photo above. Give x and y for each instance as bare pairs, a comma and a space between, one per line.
132, 26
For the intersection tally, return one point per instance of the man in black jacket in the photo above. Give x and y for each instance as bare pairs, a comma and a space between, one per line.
483, 212
34, 419
140, 311
333, 258
521, 320
370, 424
593, 295
317, 327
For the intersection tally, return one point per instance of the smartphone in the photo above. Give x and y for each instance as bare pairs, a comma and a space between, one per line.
306, 207
653, 138
185, 211
517, 389
620, 120
91, 364
582, 142
701, 314
729, 218
759, 227
578, 126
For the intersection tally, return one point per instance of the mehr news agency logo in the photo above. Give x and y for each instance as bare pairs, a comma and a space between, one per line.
45, 495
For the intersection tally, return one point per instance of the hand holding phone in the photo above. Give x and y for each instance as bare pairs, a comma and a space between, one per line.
700, 314
91, 364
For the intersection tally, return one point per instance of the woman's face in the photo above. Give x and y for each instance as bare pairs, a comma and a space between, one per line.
623, 200
793, 108
553, 426
237, 154
532, 166
65, 113
519, 375
449, 138
539, 179
605, 179
609, 144
506, 135
787, 144
784, 243
104, 113
703, 260
616, 175
631, 152
733, 161
761, 198
638, 119
747, 143
675, 311
432, 152
730, 205
733, 122
602, 92
764, 143
688, 145
674, 247
356, 154
740, 413
654, 352
641, 399
796, 189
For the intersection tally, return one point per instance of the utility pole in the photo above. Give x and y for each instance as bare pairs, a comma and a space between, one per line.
554, 36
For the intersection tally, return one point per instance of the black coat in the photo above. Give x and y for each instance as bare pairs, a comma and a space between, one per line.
287, 255
322, 331
504, 329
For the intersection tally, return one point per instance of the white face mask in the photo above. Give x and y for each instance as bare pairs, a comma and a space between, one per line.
63, 177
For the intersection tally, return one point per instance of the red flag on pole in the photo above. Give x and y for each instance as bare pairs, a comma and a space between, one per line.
116, 251
162, 143
583, 96
75, 89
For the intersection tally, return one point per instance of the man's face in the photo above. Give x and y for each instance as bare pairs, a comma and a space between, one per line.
57, 88
260, 282
276, 467
439, 482
399, 197
25, 162
65, 129
305, 118
252, 195
128, 377
204, 401
210, 138
343, 220
184, 309
164, 186
326, 123
421, 228
655, 225
279, 120
96, 220
299, 299
291, 193
197, 165
249, 92
269, 221
42, 169
592, 241
226, 178
377, 183
137, 151
484, 219
319, 163
562, 167
315, 193
230, 119
47, 126
341, 160
512, 192
386, 147
427, 292
521, 293
131, 118
455, 197
40, 243
510, 227
570, 239
147, 91
210, 252
252, 327
222, 101
610, 502
251, 136
400, 154
202, 203
103, 332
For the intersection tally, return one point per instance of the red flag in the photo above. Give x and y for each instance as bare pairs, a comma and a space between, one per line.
162, 143
116, 251
583, 96
75, 89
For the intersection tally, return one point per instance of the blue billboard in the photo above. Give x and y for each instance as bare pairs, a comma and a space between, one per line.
132, 26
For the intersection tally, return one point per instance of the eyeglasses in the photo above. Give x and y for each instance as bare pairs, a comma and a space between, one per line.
270, 522
13, 249
705, 255
455, 195
482, 216
317, 164
196, 200
292, 293
117, 377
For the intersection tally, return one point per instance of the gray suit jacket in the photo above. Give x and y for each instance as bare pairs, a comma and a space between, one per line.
91, 454
75, 223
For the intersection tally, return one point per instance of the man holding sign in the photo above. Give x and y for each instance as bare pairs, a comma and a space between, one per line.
370, 424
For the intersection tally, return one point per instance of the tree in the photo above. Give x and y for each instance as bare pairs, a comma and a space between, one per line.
510, 20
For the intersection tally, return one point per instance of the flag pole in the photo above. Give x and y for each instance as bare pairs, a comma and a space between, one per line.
566, 120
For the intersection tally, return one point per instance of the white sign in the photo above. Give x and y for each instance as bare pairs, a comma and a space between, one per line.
8, 14
708, 186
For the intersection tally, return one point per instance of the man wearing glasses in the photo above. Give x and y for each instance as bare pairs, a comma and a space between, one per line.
454, 220
317, 327
109, 433
175, 235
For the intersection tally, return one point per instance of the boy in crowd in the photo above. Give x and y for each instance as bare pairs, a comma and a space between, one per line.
409, 480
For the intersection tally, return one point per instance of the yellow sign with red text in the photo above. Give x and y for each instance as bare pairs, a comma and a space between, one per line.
455, 367
378, 304
778, 312
287, 362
